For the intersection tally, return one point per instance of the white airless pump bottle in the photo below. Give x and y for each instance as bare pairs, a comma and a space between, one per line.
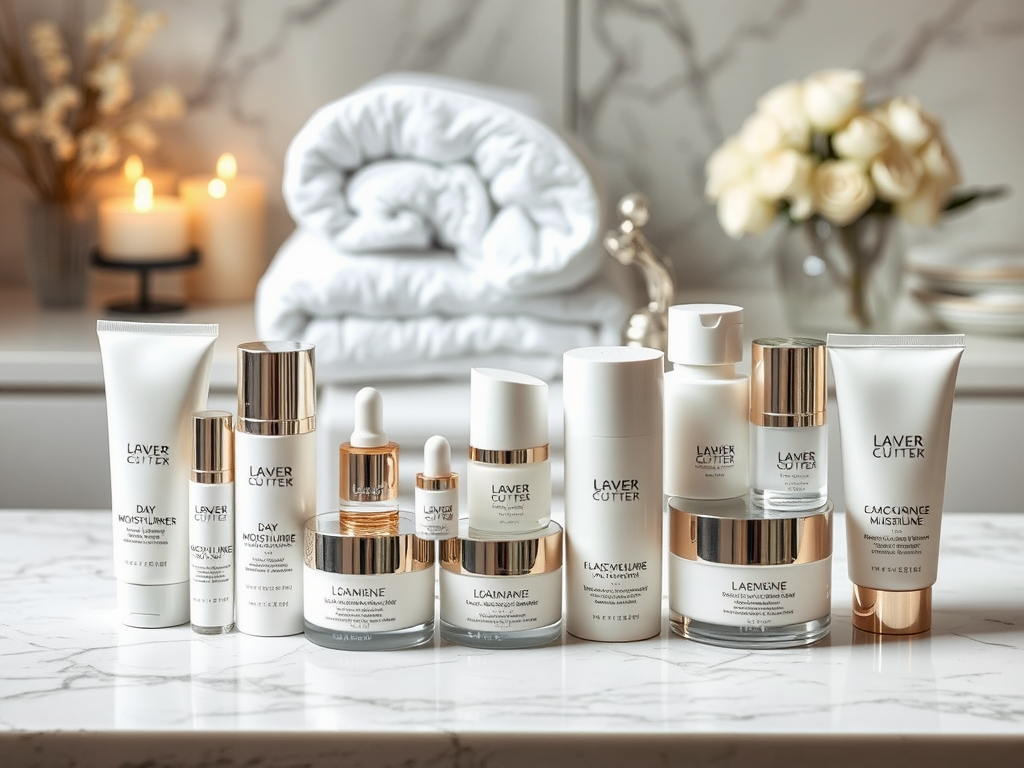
613, 492
275, 483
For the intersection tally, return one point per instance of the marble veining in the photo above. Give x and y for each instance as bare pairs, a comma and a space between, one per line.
68, 669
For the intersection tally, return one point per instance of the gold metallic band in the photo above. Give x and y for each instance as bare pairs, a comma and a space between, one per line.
892, 613
368, 474
788, 387
531, 553
427, 483
327, 548
520, 456
276, 388
277, 428
213, 445
732, 532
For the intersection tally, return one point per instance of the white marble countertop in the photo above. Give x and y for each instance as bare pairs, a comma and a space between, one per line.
78, 689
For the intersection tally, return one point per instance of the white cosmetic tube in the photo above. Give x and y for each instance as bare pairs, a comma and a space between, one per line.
156, 375
895, 400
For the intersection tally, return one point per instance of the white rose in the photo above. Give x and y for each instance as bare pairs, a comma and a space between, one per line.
786, 174
832, 97
742, 210
727, 165
786, 104
897, 174
909, 123
939, 162
761, 134
925, 207
864, 138
842, 191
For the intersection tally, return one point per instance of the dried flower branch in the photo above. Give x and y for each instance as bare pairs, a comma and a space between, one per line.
61, 124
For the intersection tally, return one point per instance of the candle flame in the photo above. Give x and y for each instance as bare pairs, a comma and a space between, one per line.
143, 194
227, 166
133, 168
217, 188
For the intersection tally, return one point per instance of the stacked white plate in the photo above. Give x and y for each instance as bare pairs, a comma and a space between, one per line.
976, 290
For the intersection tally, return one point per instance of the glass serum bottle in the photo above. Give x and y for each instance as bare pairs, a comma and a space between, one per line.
788, 434
706, 403
368, 471
508, 477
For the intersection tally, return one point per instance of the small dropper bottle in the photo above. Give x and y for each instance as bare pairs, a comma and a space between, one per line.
437, 493
368, 471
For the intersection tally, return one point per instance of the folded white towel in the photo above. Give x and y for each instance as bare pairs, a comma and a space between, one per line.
418, 163
397, 317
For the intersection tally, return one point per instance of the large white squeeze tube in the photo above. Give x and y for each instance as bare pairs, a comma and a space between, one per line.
895, 400
156, 375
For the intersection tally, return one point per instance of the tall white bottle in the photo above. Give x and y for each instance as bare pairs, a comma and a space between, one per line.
613, 492
211, 524
706, 403
275, 483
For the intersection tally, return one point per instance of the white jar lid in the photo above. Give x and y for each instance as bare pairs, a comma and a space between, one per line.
705, 334
507, 410
613, 391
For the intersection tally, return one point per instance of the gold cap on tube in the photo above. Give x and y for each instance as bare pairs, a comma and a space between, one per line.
787, 382
213, 447
892, 613
528, 553
276, 388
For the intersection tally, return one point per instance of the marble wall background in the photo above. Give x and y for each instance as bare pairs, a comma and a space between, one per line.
652, 86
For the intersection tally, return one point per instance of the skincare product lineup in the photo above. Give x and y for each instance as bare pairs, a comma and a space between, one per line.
214, 517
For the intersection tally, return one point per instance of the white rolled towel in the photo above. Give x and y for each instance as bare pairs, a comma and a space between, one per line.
414, 163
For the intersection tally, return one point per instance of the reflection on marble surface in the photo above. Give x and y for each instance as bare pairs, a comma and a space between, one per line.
69, 667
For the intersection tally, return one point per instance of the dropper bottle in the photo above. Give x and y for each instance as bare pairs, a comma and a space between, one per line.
368, 471
437, 493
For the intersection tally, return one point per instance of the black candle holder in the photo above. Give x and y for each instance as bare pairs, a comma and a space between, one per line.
145, 304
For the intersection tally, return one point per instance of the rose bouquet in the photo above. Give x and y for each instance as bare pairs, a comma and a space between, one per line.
816, 154
62, 122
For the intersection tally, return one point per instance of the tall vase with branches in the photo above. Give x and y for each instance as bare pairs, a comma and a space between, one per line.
68, 113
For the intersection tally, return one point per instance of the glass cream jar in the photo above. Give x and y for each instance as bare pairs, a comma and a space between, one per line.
502, 592
742, 576
367, 592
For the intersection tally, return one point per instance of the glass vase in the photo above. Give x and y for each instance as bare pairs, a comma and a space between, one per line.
840, 279
57, 243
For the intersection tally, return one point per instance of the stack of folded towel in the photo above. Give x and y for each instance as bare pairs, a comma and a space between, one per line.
441, 226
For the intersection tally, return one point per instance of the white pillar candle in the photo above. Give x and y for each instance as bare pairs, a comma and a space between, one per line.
143, 228
227, 222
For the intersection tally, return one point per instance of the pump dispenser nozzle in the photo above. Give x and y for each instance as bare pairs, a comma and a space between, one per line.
368, 470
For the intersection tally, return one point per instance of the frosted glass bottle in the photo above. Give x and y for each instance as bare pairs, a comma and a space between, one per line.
788, 434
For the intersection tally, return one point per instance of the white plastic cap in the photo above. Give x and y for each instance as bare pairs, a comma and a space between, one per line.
508, 411
437, 457
613, 391
368, 431
705, 334
153, 606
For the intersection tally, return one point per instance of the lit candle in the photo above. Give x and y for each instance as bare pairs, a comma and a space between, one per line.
227, 223
122, 183
143, 227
